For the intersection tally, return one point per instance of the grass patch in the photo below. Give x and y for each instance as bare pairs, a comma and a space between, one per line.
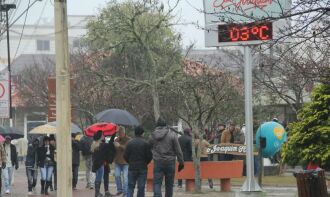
276, 181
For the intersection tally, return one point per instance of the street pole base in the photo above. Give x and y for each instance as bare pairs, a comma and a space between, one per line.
251, 185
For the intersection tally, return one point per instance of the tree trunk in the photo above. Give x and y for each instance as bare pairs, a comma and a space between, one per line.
155, 99
196, 158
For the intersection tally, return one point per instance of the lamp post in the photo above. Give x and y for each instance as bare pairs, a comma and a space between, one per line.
6, 8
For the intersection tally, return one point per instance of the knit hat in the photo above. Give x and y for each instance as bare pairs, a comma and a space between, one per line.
161, 122
97, 136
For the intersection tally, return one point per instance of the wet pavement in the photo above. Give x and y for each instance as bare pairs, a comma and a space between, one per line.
19, 189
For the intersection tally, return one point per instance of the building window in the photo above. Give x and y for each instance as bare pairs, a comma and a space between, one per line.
43, 45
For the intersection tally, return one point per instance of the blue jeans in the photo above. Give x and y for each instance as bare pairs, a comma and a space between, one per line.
121, 169
99, 174
46, 173
32, 175
161, 170
139, 176
8, 175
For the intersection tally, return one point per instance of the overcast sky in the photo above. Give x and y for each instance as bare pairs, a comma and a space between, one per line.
186, 12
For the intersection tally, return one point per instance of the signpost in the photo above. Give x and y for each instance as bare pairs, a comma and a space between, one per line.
243, 23
4, 94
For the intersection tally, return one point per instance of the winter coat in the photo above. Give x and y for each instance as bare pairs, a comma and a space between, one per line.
227, 137
239, 137
13, 155
85, 145
138, 154
185, 142
103, 154
120, 149
32, 156
2, 154
203, 146
75, 152
44, 159
21, 147
165, 145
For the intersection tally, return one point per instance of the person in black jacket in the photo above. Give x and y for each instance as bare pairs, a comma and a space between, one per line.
11, 161
75, 160
138, 155
185, 142
31, 165
46, 163
102, 152
85, 145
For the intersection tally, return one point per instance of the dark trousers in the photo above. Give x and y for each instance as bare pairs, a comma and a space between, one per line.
139, 177
31, 174
75, 169
106, 177
161, 170
55, 179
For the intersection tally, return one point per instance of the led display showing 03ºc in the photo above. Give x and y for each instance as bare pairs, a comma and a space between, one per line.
245, 32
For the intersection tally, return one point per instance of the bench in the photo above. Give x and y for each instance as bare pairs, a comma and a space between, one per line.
223, 170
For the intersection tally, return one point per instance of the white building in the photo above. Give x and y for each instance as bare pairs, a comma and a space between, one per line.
40, 38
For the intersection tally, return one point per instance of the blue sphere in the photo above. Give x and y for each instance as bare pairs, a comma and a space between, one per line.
275, 135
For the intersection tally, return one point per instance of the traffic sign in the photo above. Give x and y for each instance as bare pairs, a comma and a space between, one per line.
4, 94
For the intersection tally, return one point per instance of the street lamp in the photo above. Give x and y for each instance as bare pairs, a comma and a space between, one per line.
6, 8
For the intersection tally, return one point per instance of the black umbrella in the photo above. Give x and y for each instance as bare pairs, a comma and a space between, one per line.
117, 116
12, 132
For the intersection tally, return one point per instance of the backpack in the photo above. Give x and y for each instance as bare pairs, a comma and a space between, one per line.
85, 145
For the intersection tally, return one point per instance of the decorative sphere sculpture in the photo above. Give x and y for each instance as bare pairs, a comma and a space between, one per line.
275, 136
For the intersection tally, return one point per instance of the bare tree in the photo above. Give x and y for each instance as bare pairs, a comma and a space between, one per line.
202, 92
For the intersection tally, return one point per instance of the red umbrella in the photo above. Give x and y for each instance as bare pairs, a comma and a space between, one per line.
107, 129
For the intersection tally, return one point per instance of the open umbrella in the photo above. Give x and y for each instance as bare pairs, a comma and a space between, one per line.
50, 128
107, 129
43, 129
117, 116
74, 127
12, 132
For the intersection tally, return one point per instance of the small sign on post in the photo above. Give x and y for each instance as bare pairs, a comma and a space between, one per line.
52, 99
4, 94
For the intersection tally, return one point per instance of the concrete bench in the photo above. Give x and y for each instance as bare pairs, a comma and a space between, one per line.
223, 170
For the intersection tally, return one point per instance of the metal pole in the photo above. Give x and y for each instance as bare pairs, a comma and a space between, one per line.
9, 70
250, 184
63, 105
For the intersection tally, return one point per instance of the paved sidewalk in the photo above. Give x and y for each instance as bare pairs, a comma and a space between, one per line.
19, 189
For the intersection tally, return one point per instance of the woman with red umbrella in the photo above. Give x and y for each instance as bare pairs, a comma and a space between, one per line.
102, 152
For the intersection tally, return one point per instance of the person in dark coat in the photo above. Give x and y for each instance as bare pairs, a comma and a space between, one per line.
185, 142
46, 162
165, 151
138, 155
31, 165
101, 152
75, 160
52, 142
85, 145
11, 162
109, 159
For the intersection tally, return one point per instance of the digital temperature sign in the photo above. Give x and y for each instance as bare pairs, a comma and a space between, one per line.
245, 32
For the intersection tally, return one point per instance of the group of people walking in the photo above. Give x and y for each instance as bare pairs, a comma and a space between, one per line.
130, 157
38, 156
